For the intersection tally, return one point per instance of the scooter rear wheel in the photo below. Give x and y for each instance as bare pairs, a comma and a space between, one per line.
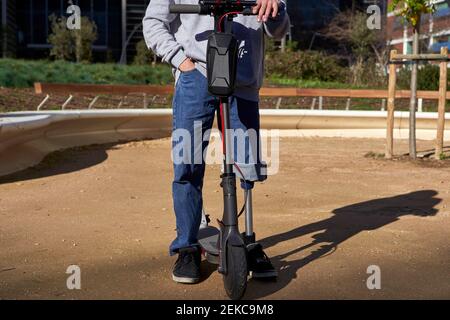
235, 281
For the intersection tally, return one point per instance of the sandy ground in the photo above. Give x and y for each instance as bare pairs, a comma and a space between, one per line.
324, 218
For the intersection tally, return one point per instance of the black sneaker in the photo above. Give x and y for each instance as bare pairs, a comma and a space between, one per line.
259, 263
187, 266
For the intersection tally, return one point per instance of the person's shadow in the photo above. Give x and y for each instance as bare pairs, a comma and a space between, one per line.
346, 222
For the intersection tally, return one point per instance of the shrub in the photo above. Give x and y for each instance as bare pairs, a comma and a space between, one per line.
306, 65
144, 56
61, 39
427, 78
72, 45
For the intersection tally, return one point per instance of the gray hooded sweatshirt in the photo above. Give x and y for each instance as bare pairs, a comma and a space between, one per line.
176, 37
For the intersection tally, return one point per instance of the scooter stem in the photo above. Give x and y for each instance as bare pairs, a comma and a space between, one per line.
248, 213
228, 177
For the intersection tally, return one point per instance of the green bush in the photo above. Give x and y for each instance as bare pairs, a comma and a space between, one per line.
144, 55
72, 45
305, 65
301, 83
427, 78
23, 73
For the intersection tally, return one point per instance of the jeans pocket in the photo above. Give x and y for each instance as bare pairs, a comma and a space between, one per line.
188, 72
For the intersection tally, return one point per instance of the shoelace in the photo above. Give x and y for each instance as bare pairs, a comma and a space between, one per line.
186, 257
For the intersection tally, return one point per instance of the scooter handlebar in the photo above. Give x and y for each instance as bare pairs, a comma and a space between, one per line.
206, 7
185, 8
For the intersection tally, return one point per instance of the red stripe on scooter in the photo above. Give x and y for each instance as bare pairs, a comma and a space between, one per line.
222, 121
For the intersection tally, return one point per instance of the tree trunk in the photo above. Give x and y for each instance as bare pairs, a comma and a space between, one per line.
154, 59
4, 41
78, 46
413, 101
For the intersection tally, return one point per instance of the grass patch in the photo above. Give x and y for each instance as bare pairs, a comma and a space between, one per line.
444, 156
16, 73
374, 155
23, 73
312, 83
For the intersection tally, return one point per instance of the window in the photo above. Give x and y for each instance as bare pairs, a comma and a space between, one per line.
35, 15
398, 23
98, 12
55, 7
409, 47
312, 13
100, 18
442, 10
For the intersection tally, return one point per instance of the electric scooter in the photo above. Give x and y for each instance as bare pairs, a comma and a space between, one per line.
225, 246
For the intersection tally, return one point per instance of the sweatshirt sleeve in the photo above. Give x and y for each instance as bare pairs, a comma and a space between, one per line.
157, 32
279, 26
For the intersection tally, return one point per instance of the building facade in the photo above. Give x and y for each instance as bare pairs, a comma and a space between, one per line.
119, 24
28, 26
435, 30
7, 29
309, 17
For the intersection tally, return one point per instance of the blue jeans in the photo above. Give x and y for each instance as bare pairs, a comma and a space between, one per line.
194, 109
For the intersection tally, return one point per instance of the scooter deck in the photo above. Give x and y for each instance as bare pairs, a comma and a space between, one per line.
208, 238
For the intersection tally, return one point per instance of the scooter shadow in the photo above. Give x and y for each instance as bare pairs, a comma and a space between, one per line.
346, 222
207, 270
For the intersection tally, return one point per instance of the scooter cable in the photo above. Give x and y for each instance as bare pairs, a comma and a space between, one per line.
223, 16
224, 151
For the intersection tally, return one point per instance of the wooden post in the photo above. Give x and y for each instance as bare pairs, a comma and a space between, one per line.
145, 103
391, 107
413, 97
279, 103
313, 103
420, 105
441, 105
91, 105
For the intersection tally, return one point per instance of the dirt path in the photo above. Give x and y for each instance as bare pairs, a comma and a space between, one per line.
327, 216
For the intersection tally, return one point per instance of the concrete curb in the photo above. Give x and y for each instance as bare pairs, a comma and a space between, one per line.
27, 137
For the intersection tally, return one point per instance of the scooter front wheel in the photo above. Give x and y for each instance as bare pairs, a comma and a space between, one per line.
235, 281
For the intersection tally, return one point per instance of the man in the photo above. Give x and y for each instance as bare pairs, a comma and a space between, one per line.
181, 40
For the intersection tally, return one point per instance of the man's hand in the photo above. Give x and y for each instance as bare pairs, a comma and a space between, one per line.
266, 8
187, 65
